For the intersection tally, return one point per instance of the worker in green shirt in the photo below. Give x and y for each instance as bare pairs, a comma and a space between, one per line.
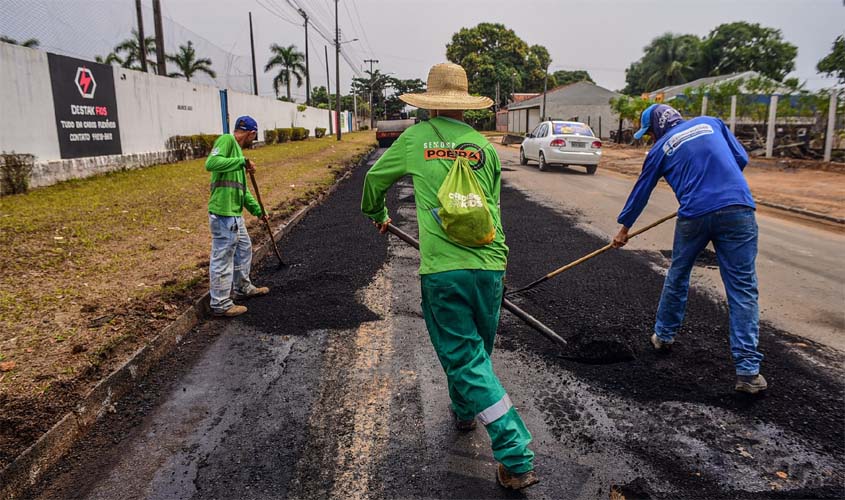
231, 248
462, 286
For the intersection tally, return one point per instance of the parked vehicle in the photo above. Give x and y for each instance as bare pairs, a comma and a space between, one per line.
562, 143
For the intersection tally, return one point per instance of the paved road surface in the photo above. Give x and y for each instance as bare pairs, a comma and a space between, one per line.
801, 267
329, 388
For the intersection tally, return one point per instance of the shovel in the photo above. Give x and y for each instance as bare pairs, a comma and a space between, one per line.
589, 256
266, 222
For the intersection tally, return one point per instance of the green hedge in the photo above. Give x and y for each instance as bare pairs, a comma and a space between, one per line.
284, 134
192, 146
319, 132
299, 134
15, 170
271, 136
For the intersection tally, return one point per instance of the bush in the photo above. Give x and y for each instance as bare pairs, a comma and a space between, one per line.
284, 134
192, 146
299, 134
271, 136
364, 127
15, 170
319, 132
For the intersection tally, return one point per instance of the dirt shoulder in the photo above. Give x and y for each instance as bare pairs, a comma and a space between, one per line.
92, 269
815, 186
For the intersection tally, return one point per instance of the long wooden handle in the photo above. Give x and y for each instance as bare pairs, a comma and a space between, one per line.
266, 222
591, 255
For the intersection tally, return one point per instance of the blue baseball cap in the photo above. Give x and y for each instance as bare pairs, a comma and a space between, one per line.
658, 118
247, 123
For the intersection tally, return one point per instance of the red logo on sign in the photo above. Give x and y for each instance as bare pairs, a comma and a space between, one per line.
85, 82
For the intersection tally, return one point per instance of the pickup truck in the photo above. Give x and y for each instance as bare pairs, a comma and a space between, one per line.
388, 130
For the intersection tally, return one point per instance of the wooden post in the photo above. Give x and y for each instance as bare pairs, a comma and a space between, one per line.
831, 122
704, 101
160, 56
252, 51
142, 46
770, 134
733, 114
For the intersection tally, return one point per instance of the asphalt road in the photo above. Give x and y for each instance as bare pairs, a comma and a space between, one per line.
329, 387
801, 266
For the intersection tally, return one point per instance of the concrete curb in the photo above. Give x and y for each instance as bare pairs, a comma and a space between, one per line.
28, 468
801, 211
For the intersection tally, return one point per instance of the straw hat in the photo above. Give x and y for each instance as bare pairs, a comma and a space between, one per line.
447, 88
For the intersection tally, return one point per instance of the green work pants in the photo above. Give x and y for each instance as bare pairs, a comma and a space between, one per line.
461, 310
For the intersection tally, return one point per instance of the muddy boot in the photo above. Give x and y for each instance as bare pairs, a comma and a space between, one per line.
230, 312
462, 425
659, 345
751, 384
253, 292
513, 481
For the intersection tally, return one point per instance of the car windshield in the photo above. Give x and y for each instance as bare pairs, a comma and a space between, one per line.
572, 129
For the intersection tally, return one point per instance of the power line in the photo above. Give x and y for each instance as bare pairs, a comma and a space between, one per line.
363, 30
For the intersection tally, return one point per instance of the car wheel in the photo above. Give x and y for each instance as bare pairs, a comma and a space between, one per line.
591, 169
541, 164
522, 159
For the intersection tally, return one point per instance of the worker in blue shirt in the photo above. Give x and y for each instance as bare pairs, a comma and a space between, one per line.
702, 162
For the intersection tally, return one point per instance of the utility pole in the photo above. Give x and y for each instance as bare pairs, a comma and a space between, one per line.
329, 89
354, 110
371, 61
307, 65
142, 45
161, 58
252, 48
337, 65
545, 88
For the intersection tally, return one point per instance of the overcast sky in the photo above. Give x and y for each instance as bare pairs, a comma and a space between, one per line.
409, 36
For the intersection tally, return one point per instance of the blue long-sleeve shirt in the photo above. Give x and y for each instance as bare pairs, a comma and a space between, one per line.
702, 161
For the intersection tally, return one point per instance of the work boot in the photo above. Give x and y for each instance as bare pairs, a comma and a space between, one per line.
462, 425
253, 292
659, 345
231, 312
511, 481
750, 384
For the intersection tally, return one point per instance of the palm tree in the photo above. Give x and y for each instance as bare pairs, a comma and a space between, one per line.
112, 58
186, 60
291, 63
674, 57
132, 60
32, 43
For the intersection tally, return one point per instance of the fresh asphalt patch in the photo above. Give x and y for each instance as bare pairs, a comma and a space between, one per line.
319, 391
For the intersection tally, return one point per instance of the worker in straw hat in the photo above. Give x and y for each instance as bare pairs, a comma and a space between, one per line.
462, 285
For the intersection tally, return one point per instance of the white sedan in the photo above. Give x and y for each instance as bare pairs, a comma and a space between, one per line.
561, 143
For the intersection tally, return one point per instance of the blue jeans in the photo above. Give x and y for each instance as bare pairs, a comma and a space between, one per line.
231, 258
733, 231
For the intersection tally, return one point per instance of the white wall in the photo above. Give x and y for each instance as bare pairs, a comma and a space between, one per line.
152, 109
271, 113
27, 117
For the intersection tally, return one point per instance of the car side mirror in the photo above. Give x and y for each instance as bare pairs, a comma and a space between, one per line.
529, 136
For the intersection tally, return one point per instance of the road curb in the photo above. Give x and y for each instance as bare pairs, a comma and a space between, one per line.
801, 211
28, 467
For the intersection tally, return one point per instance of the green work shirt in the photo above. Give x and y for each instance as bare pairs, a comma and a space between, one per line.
420, 153
229, 193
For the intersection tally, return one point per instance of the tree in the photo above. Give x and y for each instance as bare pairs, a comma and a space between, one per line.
111, 58
132, 57
491, 53
375, 82
741, 46
291, 63
563, 77
31, 43
187, 62
669, 59
833, 64
393, 104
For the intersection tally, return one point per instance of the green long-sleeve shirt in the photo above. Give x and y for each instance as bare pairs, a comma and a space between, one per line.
229, 192
420, 153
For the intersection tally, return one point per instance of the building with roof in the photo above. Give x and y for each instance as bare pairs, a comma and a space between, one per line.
580, 101
669, 93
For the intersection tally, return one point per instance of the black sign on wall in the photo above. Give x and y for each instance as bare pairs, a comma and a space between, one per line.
85, 106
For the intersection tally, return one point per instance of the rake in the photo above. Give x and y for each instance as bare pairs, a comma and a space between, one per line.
587, 257
266, 222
